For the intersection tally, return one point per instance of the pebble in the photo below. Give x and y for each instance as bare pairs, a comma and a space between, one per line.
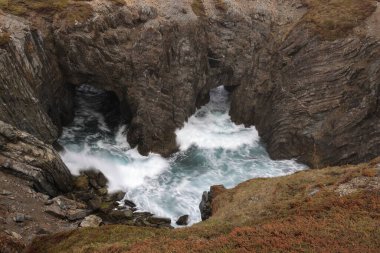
19, 217
91, 221
129, 203
15, 235
5, 193
49, 202
183, 220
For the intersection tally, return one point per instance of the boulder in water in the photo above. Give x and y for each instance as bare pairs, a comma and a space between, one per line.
183, 220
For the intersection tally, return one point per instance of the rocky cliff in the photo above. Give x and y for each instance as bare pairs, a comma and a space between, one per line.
306, 73
25, 156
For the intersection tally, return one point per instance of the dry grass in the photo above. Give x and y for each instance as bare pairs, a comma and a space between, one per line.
221, 5
22, 7
336, 18
118, 2
72, 11
198, 8
297, 213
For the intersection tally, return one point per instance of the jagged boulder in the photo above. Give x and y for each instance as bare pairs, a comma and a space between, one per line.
25, 156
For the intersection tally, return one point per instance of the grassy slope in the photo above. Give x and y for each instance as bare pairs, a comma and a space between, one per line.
303, 212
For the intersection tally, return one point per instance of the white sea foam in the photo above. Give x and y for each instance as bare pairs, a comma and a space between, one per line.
122, 175
213, 150
211, 127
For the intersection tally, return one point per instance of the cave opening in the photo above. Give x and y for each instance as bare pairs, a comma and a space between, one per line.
104, 104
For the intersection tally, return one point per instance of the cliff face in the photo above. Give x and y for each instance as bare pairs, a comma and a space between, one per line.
311, 91
33, 95
156, 66
319, 94
23, 155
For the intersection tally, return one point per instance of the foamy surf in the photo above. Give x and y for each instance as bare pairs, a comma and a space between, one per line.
213, 150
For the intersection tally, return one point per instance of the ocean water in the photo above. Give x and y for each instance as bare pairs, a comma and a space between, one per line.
213, 150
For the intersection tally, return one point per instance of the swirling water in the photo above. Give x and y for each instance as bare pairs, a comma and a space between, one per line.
213, 150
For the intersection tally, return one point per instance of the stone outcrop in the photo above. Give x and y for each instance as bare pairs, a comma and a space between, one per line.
33, 94
317, 100
27, 157
156, 66
310, 97
205, 206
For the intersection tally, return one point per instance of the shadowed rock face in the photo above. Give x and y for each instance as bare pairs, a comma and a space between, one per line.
319, 102
310, 98
33, 95
156, 67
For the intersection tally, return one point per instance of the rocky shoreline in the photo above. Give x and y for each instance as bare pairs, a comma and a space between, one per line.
306, 77
301, 82
26, 213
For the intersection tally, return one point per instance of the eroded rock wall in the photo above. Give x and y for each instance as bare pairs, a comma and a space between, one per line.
320, 103
311, 98
27, 157
156, 66
33, 95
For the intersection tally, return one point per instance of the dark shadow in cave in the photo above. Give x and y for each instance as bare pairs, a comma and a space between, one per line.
100, 101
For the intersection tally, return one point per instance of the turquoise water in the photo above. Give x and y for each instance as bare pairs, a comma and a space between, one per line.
213, 150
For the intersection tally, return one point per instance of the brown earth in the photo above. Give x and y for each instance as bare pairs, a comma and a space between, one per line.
22, 200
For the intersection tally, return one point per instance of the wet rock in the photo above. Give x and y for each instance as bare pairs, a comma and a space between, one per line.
102, 191
81, 183
117, 196
205, 206
91, 221
129, 203
121, 214
95, 203
159, 220
183, 220
101, 180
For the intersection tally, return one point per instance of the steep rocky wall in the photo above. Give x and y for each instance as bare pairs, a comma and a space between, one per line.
320, 102
33, 96
156, 66
311, 98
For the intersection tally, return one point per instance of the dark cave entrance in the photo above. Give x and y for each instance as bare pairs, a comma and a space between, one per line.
90, 99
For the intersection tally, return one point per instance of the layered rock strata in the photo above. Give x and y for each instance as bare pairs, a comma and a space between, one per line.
311, 97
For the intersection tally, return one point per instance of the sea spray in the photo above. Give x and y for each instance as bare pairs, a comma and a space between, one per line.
213, 150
